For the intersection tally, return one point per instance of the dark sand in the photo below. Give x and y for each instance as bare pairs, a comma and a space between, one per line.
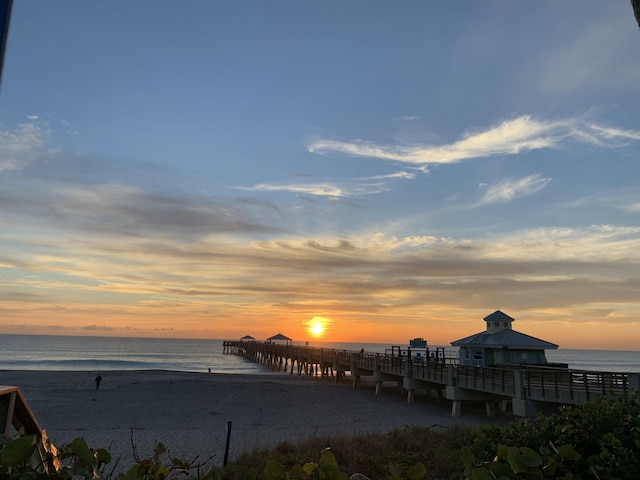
189, 412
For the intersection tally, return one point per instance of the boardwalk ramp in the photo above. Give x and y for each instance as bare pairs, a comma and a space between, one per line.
17, 420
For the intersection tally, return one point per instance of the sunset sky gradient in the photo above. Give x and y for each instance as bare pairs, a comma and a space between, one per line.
373, 170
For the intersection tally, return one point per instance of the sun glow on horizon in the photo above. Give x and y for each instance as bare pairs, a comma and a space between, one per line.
317, 326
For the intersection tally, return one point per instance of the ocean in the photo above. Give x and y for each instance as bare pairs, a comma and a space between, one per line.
42, 352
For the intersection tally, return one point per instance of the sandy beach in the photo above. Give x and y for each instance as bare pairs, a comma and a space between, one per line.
189, 412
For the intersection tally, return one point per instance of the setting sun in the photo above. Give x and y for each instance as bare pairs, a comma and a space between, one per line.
317, 326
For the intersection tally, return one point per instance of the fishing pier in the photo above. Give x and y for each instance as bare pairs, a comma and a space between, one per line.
524, 387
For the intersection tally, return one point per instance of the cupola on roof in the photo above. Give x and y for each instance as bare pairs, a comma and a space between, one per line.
499, 335
498, 321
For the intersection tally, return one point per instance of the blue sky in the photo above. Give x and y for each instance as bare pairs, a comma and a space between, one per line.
390, 169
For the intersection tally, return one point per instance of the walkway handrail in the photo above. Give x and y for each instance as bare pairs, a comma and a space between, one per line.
15, 413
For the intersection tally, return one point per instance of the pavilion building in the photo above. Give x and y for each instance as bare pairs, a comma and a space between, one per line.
500, 345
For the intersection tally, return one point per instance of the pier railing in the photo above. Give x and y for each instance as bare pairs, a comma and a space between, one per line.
571, 386
522, 382
500, 381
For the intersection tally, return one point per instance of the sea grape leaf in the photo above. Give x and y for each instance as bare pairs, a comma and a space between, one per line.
135, 473
521, 459
501, 470
503, 452
554, 468
567, 452
418, 471
18, 451
297, 473
159, 449
80, 448
161, 473
479, 474
468, 460
328, 458
309, 468
530, 457
103, 455
274, 471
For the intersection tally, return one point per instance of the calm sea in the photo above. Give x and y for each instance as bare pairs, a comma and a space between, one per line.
40, 352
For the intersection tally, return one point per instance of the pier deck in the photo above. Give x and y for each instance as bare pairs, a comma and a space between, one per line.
524, 387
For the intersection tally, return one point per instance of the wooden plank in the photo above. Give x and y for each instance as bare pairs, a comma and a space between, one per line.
7, 406
16, 411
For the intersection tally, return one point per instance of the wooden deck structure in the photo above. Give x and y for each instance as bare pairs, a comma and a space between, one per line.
17, 419
524, 387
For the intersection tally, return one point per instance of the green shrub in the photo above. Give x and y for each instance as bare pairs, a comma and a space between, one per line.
605, 434
598, 440
392, 455
24, 458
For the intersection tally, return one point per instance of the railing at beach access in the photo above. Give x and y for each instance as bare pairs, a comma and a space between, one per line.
17, 419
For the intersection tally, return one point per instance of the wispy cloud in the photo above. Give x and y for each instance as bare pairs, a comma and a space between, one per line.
633, 207
508, 190
22, 146
605, 136
509, 137
407, 118
390, 176
324, 189
356, 187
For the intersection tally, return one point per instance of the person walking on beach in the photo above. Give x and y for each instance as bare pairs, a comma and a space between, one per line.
98, 380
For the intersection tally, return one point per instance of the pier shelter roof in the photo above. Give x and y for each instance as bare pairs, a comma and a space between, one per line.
500, 334
504, 339
279, 338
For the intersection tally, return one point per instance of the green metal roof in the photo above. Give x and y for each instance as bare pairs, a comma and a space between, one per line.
504, 339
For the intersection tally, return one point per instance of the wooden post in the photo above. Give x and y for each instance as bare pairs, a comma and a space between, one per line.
226, 448
8, 419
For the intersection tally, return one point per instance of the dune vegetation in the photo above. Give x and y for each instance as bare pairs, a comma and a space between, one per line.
598, 440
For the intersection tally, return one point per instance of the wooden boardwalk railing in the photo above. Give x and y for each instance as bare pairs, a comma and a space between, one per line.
16, 418
523, 385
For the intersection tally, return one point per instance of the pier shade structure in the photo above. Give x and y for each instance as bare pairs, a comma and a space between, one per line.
499, 366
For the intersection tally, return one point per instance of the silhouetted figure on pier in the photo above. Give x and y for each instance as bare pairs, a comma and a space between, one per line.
98, 381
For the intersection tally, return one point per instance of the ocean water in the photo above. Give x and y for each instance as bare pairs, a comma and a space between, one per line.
41, 352
599, 360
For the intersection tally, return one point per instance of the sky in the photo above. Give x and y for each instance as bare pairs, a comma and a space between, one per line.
344, 171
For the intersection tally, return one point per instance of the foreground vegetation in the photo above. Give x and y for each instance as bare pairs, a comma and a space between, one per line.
598, 440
